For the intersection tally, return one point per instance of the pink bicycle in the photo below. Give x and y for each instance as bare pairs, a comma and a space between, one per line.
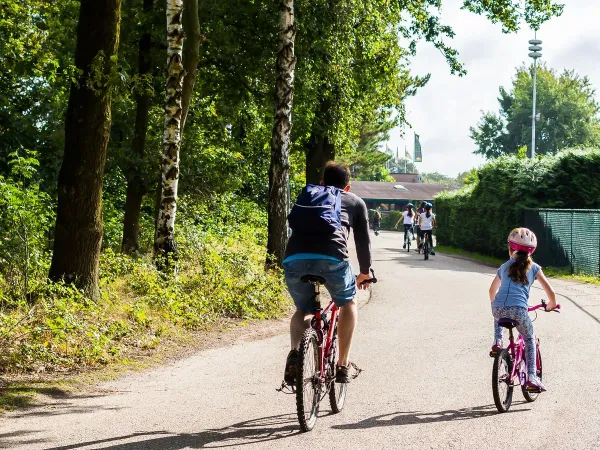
510, 366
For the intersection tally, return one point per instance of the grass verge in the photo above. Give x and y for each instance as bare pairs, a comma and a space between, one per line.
471, 255
553, 272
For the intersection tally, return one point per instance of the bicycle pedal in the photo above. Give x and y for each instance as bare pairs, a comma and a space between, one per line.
286, 388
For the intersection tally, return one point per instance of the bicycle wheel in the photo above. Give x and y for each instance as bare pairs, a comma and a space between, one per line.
501, 383
407, 241
337, 391
426, 247
308, 390
532, 396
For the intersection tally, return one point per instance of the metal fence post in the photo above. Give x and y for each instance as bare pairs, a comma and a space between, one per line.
571, 239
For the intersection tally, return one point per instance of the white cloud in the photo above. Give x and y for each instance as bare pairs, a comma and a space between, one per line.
442, 112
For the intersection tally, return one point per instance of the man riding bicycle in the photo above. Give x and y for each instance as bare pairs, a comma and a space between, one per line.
326, 255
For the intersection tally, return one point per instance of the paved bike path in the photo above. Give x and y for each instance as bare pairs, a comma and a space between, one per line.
422, 340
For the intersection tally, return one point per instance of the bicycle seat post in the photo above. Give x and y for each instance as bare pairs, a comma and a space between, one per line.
317, 296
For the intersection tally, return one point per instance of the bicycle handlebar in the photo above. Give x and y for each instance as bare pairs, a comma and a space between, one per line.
544, 306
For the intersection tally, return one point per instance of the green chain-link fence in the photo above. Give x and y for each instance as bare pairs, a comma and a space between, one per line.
568, 238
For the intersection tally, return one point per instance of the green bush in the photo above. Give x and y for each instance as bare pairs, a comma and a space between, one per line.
479, 217
220, 276
25, 220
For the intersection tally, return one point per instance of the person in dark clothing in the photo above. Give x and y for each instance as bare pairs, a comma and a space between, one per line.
376, 221
327, 255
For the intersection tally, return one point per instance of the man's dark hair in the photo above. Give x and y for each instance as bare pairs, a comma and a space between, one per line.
337, 175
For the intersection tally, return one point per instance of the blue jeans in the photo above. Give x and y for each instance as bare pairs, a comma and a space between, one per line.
524, 326
339, 281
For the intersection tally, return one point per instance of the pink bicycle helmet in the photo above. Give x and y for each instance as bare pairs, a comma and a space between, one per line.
522, 240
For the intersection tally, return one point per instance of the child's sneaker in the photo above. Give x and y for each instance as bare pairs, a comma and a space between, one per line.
534, 384
496, 348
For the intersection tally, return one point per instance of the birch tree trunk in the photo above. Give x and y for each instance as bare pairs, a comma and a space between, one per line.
136, 188
191, 55
78, 231
280, 143
164, 240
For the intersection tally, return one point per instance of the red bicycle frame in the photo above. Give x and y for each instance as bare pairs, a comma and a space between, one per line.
325, 340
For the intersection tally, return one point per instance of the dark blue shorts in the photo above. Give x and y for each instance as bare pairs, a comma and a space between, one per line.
339, 276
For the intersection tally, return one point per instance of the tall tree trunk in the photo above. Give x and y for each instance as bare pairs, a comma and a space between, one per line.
191, 55
136, 188
280, 142
78, 232
164, 240
318, 151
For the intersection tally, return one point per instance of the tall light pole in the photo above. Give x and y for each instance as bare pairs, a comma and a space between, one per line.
536, 52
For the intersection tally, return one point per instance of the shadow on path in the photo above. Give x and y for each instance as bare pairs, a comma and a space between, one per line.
248, 432
416, 417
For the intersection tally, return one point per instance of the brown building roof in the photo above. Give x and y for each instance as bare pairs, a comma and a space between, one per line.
406, 177
384, 191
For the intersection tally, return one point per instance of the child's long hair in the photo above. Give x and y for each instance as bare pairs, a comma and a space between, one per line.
518, 269
410, 211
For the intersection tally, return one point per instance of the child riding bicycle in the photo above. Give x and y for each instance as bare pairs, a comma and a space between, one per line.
408, 218
509, 294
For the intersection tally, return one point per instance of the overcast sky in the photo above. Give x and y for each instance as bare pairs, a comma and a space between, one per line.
442, 112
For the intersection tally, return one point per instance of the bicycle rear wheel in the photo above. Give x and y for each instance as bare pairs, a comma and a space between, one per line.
529, 395
426, 247
501, 384
308, 389
337, 391
407, 241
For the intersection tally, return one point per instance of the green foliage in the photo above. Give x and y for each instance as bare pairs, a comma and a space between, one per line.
479, 217
25, 219
221, 276
438, 178
568, 115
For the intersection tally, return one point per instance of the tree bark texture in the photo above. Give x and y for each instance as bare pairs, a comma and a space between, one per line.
78, 231
280, 142
136, 188
191, 55
318, 152
164, 241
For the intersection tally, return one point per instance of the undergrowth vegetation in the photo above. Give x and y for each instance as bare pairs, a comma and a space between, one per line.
48, 326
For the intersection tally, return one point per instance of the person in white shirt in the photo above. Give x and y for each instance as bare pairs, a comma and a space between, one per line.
408, 218
426, 225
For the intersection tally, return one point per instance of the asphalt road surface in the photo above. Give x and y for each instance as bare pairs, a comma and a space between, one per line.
423, 340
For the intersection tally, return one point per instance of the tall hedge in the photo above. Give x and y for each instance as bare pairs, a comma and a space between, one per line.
480, 216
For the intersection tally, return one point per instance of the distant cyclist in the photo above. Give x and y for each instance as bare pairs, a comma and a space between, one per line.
509, 294
420, 209
327, 255
408, 218
426, 224
376, 221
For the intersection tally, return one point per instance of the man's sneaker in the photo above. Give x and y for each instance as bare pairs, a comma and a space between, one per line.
341, 374
432, 252
289, 376
534, 384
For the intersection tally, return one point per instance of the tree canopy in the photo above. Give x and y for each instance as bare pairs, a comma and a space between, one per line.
568, 115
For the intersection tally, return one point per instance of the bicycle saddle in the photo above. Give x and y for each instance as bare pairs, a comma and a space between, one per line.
314, 279
507, 323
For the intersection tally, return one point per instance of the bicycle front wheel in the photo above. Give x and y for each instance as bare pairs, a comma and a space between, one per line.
529, 395
308, 389
337, 391
502, 387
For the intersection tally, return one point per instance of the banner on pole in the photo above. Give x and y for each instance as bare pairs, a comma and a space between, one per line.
418, 153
